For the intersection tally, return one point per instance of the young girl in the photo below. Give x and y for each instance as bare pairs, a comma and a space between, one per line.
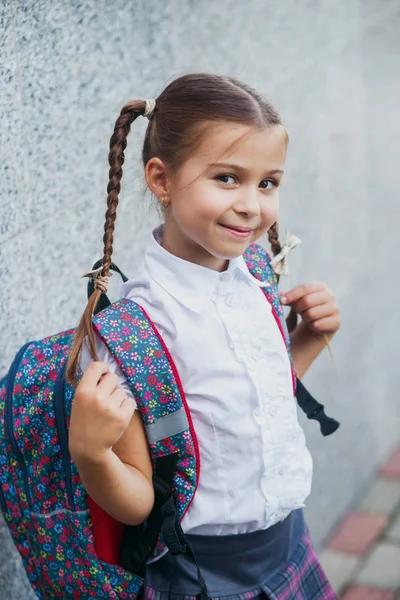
214, 155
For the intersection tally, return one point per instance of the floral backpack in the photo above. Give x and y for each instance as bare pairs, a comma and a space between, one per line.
69, 546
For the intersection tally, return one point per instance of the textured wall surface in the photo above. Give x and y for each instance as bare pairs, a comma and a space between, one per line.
331, 66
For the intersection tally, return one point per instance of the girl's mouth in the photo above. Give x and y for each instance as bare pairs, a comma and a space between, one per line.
237, 231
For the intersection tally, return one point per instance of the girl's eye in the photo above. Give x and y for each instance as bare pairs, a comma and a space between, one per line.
228, 179
268, 184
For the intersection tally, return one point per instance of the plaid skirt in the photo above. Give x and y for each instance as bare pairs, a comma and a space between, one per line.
287, 568
302, 579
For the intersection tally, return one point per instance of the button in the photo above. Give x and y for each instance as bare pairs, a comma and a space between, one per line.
273, 411
226, 276
230, 300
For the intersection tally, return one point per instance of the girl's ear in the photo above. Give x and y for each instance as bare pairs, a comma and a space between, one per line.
157, 177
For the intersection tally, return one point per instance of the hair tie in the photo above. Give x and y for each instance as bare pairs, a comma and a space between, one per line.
100, 281
280, 262
149, 108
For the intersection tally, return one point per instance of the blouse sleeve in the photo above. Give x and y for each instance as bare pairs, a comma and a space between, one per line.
105, 356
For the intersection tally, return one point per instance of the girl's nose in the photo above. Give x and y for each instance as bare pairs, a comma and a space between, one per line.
248, 204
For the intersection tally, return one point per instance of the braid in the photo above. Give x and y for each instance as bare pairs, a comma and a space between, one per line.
116, 160
273, 238
118, 143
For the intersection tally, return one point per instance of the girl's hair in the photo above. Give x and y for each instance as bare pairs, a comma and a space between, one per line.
173, 134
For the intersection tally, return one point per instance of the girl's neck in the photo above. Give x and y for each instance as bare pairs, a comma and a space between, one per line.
177, 243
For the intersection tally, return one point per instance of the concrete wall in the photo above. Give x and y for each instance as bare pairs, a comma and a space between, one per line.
332, 67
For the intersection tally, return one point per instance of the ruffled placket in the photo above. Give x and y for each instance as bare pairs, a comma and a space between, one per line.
257, 343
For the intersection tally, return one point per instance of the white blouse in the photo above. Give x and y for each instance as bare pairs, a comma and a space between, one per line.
235, 371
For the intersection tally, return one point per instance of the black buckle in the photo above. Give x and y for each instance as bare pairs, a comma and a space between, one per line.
135, 551
162, 490
171, 528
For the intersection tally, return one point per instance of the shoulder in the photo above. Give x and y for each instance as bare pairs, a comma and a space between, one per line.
138, 283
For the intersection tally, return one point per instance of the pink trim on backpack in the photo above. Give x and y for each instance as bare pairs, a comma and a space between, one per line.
184, 401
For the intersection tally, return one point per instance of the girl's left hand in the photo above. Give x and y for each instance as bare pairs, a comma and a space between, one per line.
316, 305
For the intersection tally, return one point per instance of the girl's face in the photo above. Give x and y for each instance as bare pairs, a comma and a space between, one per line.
225, 196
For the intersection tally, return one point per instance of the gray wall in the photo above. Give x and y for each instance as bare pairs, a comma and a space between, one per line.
332, 67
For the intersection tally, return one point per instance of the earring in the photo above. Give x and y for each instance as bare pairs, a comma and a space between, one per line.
164, 202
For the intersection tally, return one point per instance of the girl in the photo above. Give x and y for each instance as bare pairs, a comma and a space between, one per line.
213, 155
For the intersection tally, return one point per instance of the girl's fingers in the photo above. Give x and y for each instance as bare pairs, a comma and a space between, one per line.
316, 305
311, 300
327, 325
128, 407
119, 396
319, 312
295, 294
93, 374
124, 403
108, 384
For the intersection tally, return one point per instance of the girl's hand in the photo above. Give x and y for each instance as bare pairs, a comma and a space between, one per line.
316, 305
101, 412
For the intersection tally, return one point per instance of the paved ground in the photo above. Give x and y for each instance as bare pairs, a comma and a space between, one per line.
362, 557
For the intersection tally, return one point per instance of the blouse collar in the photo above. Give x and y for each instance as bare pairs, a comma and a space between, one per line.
191, 284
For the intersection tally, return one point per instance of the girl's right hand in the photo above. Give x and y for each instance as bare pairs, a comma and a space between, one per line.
101, 412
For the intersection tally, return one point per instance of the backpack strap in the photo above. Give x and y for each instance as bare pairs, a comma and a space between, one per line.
138, 543
147, 365
137, 546
258, 262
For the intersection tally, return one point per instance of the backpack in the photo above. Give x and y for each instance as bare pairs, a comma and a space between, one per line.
69, 546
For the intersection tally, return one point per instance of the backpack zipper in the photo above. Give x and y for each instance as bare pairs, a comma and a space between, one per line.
8, 418
3, 505
61, 421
